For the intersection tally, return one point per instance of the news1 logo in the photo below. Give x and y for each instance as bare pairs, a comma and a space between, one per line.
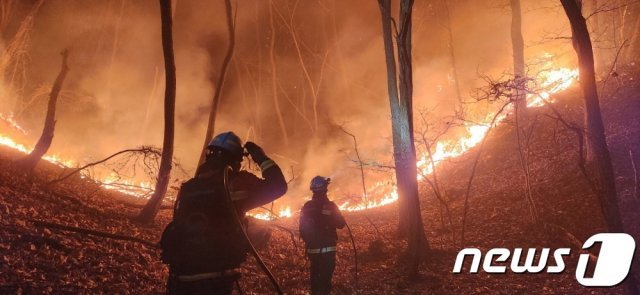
612, 266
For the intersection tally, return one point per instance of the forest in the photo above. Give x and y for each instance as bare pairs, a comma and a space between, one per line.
440, 128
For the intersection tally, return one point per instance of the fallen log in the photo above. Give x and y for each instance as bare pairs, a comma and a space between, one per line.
92, 232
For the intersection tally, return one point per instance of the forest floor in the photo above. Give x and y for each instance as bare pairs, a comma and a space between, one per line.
37, 259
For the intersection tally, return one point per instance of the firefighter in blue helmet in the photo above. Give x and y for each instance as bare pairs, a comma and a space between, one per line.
204, 244
319, 220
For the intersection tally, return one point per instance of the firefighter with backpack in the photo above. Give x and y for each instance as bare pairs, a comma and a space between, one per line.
319, 219
206, 241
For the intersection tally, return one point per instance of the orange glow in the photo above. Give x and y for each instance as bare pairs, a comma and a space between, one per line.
551, 81
380, 194
11, 122
111, 182
264, 215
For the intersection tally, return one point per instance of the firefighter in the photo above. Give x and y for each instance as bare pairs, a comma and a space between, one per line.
204, 243
319, 220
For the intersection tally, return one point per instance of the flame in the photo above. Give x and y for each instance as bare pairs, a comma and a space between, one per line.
388, 198
11, 122
128, 187
551, 81
111, 182
54, 159
261, 213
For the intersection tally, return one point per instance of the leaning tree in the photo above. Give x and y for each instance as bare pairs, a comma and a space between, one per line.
215, 102
30, 161
150, 210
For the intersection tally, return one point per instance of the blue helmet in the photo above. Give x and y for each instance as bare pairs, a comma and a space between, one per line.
319, 184
229, 142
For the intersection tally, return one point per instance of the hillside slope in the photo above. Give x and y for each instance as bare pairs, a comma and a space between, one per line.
37, 259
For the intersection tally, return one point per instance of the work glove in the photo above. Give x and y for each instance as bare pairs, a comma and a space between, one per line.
256, 152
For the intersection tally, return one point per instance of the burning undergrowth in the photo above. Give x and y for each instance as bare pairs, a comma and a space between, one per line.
497, 210
133, 173
321, 82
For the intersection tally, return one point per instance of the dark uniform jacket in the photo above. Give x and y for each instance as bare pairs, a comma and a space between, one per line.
249, 192
229, 249
319, 220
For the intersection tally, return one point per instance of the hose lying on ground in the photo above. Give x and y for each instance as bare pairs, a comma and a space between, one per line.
355, 254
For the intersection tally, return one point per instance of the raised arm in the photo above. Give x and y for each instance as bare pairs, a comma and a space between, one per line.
249, 191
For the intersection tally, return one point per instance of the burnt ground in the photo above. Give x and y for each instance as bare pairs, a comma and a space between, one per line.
35, 259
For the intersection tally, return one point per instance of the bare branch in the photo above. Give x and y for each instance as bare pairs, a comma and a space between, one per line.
145, 150
96, 233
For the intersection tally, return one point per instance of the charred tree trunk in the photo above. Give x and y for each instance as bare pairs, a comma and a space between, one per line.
30, 161
223, 73
517, 42
150, 210
410, 225
595, 126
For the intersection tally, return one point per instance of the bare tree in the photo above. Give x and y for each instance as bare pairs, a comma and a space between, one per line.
517, 42
221, 78
404, 151
432, 177
274, 76
452, 55
634, 44
150, 210
14, 57
30, 161
7, 8
595, 126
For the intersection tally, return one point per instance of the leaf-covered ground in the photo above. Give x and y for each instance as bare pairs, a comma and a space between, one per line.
35, 259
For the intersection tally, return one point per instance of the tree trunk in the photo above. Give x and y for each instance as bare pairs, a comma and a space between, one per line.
595, 126
274, 77
452, 55
30, 161
14, 58
596, 22
410, 220
634, 45
150, 210
517, 42
223, 73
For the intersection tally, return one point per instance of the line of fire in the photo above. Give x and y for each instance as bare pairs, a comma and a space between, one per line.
319, 147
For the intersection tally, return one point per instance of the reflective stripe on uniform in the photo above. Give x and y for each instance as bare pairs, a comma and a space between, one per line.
326, 212
322, 250
200, 276
267, 164
239, 195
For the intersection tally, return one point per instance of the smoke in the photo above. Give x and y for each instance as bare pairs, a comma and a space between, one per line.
113, 96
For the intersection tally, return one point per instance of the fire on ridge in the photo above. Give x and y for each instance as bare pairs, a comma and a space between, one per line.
381, 193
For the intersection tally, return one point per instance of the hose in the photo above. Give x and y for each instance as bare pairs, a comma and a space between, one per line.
355, 254
259, 260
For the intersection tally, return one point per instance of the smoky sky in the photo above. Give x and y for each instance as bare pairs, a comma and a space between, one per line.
113, 96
